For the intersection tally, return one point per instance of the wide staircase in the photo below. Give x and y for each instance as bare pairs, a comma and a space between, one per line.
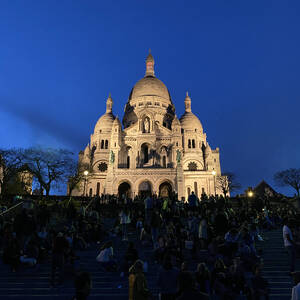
29, 283
276, 266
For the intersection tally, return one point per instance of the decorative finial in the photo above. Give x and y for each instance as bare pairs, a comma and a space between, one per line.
187, 93
188, 103
149, 65
109, 104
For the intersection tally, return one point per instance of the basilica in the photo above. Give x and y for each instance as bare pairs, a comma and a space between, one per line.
151, 151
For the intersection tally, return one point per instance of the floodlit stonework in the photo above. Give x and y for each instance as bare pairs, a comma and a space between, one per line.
154, 151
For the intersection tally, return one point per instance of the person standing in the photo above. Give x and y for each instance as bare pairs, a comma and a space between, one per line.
296, 288
139, 289
168, 280
289, 243
193, 200
155, 225
148, 209
124, 221
60, 246
83, 284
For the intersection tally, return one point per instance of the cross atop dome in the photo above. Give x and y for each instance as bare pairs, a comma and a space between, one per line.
109, 104
188, 103
149, 65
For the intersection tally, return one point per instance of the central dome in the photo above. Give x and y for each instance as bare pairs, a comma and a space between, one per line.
150, 86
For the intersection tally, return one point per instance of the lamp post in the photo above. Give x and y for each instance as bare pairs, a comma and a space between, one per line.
214, 174
85, 173
250, 194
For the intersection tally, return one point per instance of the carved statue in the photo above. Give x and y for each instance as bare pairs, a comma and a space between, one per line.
146, 125
112, 157
178, 156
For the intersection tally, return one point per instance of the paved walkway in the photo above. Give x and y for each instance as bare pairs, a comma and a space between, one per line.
34, 284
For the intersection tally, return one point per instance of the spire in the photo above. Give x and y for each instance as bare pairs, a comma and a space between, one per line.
109, 104
188, 103
149, 65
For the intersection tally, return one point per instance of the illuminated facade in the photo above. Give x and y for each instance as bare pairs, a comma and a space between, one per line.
153, 151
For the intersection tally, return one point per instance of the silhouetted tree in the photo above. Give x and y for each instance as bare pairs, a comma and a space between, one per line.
11, 160
227, 183
77, 175
49, 165
289, 177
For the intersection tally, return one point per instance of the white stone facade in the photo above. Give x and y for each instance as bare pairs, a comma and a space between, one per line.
154, 151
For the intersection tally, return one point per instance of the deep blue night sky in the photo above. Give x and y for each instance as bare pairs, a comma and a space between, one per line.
239, 60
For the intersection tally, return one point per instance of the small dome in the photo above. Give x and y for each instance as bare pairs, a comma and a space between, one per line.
150, 86
189, 121
105, 122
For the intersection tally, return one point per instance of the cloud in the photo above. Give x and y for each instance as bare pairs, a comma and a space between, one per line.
44, 123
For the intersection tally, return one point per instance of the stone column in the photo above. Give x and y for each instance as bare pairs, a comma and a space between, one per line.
180, 181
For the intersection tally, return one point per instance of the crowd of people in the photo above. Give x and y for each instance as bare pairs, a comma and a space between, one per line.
202, 248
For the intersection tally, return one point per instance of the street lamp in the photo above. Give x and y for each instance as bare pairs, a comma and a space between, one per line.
250, 194
85, 173
214, 174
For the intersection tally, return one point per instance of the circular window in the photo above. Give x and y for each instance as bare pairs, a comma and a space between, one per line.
192, 166
102, 167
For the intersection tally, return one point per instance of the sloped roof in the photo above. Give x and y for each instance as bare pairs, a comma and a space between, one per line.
263, 189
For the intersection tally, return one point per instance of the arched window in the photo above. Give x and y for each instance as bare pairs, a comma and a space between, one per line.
91, 192
145, 154
189, 191
189, 143
102, 144
98, 189
128, 162
196, 188
106, 144
164, 162
193, 144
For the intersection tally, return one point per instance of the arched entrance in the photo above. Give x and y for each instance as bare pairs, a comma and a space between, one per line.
124, 190
145, 189
165, 189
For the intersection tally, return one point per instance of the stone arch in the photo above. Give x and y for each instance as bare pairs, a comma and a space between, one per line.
146, 124
146, 116
124, 153
125, 189
145, 151
165, 188
144, 188
200, 165
164, 156
159, 182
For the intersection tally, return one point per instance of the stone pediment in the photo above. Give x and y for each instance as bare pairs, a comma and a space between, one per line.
132, 130
161, 130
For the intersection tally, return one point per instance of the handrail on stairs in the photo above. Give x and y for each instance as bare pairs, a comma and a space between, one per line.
92, 200
11, 208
